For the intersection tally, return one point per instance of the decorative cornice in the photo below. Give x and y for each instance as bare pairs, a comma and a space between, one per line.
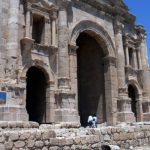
114, 9
40, 5
131, 41
118, 25
141, 33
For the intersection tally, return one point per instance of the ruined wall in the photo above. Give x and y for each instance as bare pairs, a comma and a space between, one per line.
49, 137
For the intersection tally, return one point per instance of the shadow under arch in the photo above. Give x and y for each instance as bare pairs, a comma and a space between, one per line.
97, 32
36, 90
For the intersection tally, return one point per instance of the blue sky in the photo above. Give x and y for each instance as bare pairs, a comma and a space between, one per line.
141, 9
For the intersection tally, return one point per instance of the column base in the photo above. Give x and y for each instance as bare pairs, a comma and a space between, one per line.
63, 83
124, 107
12, 106
146, 109
13, 113
126, 117
66, 115
66, 110
146, 116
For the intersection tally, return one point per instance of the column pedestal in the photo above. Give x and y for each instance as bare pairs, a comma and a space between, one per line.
124, 110
66, 107
146, 110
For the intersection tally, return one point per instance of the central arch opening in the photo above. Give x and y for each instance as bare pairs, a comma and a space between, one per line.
132, 95
36, 95
90, 74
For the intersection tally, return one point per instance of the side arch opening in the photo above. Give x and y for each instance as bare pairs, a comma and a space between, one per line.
132, 93
36, 94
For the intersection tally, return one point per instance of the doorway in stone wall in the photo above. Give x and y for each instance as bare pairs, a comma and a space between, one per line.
132, 95
36, 94
90, 75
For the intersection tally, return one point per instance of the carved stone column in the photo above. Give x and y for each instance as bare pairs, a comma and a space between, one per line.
28, 20
134, 59
12, 39
73, 70
63, 59
139, 59
141, 33
118, 27
66, 104
127, 54
47, 40
139, 107
54, 16
111, 92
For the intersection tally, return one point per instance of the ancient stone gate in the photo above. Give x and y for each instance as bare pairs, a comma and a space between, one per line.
61, 61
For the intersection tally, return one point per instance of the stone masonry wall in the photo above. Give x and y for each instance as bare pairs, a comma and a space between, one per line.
25, 136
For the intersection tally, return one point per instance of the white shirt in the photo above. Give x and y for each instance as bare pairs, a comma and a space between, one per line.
90, 118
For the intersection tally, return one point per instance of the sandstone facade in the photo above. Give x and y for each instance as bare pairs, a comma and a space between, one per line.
61, 60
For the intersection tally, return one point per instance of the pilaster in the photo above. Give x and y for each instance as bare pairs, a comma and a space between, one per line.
111, 92
54, 15
118, 29
66, 110
63, 57
27, 19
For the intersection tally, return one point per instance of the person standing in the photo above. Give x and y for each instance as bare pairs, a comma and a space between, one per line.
90, 121
94, 122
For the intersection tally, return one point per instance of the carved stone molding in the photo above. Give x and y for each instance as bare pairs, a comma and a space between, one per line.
63, 4
115, 8
141, 33
110, 61
54, 13
73, 49
118, 25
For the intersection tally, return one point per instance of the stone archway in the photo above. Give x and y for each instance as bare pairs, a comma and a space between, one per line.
90, 74
36, 94
104, 105
135, 94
